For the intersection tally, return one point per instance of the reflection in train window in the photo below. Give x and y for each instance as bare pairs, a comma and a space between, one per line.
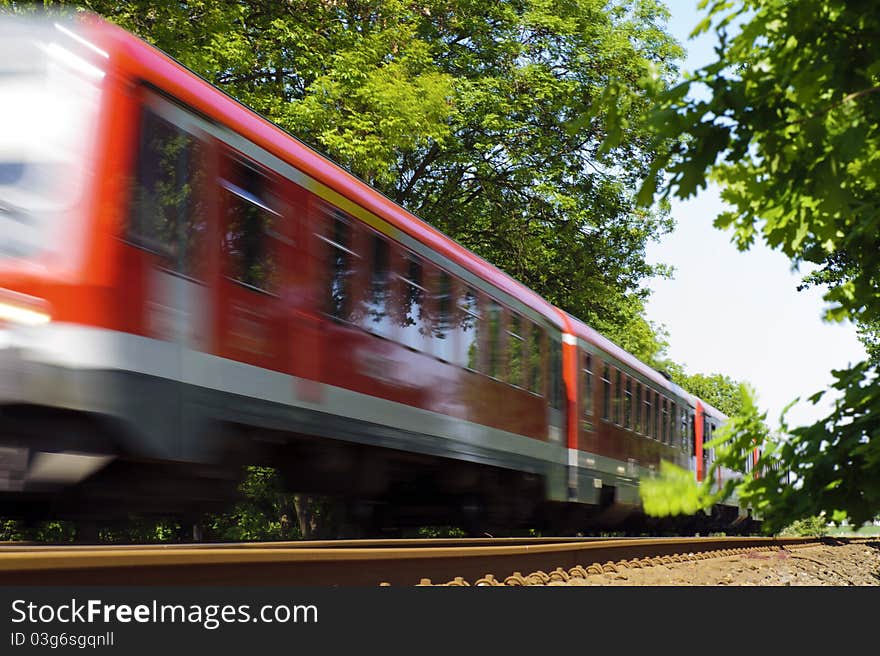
673, 413
515, 351
649, 415
250, 220
469, 325
618, 396
167, 213
683, 432
639, 408
493, 315
555, 374
414, 319
606, 392
377, 315
444, 337
588, 384
339, 265
657, 426
536, 360
627, 404
692, 434
664, 425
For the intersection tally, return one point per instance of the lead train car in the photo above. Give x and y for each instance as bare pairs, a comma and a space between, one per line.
185, 288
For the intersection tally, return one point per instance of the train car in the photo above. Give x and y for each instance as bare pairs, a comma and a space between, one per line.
208, 291
624, 418
186, 289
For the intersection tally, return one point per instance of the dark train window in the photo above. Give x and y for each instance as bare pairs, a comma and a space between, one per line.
649, 427
673, 413
588, 384
444, 322
377, 316
618, 396
515, 351
536, 360
468, 326
493, 325
414, 318
555, 390
692, 433
683, 431
639, 408
664, 425
657, 425
250, 225
709, 433
340, 257
627, 404
606, 392
706, 438
167, 215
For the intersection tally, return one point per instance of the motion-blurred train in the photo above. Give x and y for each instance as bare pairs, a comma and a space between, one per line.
186, 289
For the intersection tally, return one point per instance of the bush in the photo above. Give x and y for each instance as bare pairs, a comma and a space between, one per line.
810, 527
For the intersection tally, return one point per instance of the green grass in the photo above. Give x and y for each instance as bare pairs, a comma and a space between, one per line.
865, 531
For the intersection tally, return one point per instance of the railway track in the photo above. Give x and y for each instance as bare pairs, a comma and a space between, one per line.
478, 561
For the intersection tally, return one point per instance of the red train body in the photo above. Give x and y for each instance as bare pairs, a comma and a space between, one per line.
192, 289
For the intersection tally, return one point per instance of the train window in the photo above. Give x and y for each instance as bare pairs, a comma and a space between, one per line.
639, 408
692, 432
618, 396
443, 325
493, 315
555, 391
682, 430
706, 438
649, 427
250, 225
377, 310
712, 437
664, 425
627, 404
339, 265
606, 392
468, 327
167, 215
536, 360
673, 437
657, 415
588, 384
515, 351
414, 319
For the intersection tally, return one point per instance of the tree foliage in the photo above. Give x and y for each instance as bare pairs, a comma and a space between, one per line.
787, 122
718, 390
265, 511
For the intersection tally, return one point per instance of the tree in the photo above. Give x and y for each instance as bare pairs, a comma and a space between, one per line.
838, 270
718, 390
786, 122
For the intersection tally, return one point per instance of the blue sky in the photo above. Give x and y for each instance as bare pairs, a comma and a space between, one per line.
740, 313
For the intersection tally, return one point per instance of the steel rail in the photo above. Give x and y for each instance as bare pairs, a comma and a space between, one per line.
356, 563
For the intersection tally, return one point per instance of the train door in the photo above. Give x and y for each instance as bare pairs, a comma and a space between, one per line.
170, 224
251, 320
164, 283
556, 396
700, 454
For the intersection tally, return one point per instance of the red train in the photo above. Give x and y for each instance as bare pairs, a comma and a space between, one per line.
185, 288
